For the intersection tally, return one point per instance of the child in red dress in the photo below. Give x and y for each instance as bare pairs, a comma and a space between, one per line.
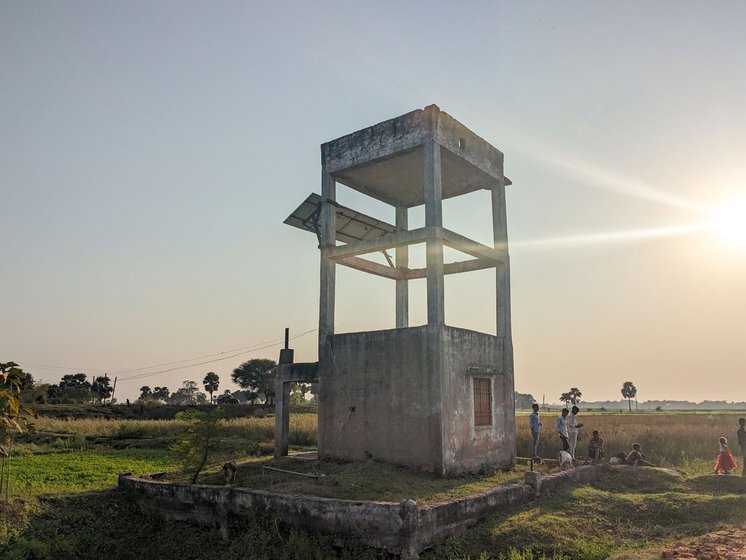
724, 461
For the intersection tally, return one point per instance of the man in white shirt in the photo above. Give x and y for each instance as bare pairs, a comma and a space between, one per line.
562, 429
573, 428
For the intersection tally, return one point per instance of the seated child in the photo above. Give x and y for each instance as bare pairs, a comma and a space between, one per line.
596, 447
636, 458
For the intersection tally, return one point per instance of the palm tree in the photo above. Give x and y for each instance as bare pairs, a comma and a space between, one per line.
572, 396
629, 392
211, 382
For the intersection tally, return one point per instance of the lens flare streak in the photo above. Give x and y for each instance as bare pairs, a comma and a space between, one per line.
609, 237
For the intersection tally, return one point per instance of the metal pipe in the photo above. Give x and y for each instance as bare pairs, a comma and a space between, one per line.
293, 472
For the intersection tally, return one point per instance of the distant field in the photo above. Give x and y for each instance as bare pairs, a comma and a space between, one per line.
302, 427
678, 439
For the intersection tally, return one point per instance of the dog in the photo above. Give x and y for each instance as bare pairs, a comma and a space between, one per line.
229, 472
565, 461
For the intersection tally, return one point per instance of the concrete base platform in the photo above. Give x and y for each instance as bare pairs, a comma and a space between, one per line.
403, 528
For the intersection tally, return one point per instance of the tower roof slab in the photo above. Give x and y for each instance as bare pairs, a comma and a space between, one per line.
386, 160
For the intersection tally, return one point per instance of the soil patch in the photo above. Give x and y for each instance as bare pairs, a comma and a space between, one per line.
729, 544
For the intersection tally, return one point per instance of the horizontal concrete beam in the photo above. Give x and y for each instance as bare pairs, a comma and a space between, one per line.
452, 268
301, 372
371, 267
384, 242
469, 246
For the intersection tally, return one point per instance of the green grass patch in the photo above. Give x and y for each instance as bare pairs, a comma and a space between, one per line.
56, 472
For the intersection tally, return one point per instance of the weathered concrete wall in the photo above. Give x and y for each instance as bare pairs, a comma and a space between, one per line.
406, 397
400, 528
467, 447
378, 524
379, 398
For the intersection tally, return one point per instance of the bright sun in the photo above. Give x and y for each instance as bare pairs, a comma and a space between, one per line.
730, 222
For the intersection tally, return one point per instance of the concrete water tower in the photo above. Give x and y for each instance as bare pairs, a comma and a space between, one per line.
430, 397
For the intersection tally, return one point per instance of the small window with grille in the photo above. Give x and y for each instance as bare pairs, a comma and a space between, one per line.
482, 401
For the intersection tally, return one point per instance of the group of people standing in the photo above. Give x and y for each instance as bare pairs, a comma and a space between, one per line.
568, 428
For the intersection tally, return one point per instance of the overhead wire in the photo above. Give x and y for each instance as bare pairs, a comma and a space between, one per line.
233, 353
65, 368
187, 366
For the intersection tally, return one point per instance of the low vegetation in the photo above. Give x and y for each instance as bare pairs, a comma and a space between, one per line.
63, 504
628, 514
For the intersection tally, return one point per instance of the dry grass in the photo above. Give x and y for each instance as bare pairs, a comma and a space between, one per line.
302, 428
684, 440
687, 440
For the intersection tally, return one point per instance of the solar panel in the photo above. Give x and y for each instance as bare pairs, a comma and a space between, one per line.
351, 225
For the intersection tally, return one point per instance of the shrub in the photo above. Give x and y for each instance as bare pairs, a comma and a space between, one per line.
194, 447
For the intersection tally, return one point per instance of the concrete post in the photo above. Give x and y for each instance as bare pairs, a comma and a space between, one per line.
402, 262
433, 223
409, 513
533, 479
282, 403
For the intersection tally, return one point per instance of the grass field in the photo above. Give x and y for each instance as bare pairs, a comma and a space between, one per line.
80, 471
628, 514
65, 505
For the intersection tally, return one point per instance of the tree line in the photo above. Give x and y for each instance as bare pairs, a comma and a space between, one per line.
256, 379
73, 388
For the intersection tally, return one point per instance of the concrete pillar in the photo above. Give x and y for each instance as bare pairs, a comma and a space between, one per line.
433, 223
402, 262
328, 234
502, 289
502, 279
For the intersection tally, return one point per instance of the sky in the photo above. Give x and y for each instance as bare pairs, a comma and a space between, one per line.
149, 152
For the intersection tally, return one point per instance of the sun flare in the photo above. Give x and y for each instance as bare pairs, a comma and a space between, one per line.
730, 222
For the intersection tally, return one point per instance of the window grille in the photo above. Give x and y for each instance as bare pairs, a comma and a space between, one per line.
482, 401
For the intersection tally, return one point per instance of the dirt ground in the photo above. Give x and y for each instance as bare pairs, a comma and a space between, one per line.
721, 545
